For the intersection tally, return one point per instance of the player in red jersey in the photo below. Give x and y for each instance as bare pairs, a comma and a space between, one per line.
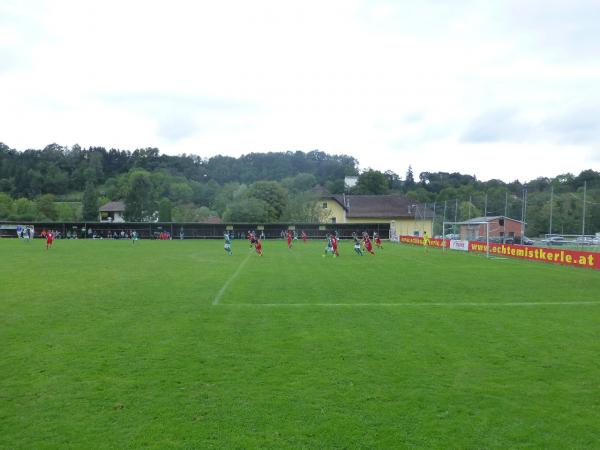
334, 245
378, 240
258, 247
251, 238
368, 244
49, 239
290, 237
304, 236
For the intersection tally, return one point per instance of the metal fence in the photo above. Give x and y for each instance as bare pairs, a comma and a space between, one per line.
572, 215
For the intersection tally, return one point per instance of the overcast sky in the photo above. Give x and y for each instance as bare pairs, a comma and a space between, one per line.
498, 89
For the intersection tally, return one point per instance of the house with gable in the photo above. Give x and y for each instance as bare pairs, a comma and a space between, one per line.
405, 216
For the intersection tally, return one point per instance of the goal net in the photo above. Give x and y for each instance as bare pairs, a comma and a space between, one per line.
460, 233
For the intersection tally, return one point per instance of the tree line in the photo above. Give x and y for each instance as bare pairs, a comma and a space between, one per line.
70, 183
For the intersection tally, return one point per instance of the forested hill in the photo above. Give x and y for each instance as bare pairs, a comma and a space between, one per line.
59, 170
63, 184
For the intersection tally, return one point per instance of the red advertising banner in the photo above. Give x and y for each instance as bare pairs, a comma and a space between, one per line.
566, 257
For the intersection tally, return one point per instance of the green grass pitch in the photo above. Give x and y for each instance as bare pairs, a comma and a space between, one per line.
105, 344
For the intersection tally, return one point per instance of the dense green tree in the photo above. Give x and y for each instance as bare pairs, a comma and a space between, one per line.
139, 202
335, 186
68, 212
303, 207
181, 192
90, 203
165, 210
393, 179
300, 183
6, 206
409, 180
372, 182
227, 194
248, 210
272, 194
24, 209
46, 207
191, 213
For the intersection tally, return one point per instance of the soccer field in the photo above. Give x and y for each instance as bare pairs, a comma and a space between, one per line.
174, 344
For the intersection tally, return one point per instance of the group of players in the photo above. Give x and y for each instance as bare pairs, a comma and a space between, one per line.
361, 244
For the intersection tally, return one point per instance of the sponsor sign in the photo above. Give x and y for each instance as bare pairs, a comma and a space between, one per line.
590, 260
417, 240
457, 244
565, 257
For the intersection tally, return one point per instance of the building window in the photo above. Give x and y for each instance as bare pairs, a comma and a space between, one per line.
333, 220
324, 206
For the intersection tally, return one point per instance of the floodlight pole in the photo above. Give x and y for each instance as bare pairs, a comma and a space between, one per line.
505, 213
445, 205
456, 210
487, 239
444, 233
584, 196
485, 208
551, 206
433, 221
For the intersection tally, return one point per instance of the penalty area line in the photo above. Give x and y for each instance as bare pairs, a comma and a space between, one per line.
412, 304
229, 280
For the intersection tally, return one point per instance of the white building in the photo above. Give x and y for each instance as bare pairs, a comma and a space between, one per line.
112, 212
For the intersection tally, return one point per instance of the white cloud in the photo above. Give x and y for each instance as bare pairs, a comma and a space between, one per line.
392, 83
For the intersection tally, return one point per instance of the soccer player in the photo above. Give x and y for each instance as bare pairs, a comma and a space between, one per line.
426, 241
377, 240
134, 236
252, 238
258, 247
49, 239
368, 244
329, 247
334, 245
227, 245
290, 237
357, 248
304, 236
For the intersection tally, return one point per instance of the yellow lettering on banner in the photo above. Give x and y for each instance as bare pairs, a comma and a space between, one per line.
512, 252
550, 256
591, 260
557, 257
520, 252
530, 253
562, 256
582, 260
569, 259
542, 254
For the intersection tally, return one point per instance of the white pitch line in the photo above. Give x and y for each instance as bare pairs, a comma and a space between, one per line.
231, 278
413, 304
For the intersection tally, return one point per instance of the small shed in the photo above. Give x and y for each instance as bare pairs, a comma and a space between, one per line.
112, 212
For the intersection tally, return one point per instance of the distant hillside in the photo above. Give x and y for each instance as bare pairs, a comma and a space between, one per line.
49, 184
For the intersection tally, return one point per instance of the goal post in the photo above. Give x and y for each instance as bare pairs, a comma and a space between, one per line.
460, 233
